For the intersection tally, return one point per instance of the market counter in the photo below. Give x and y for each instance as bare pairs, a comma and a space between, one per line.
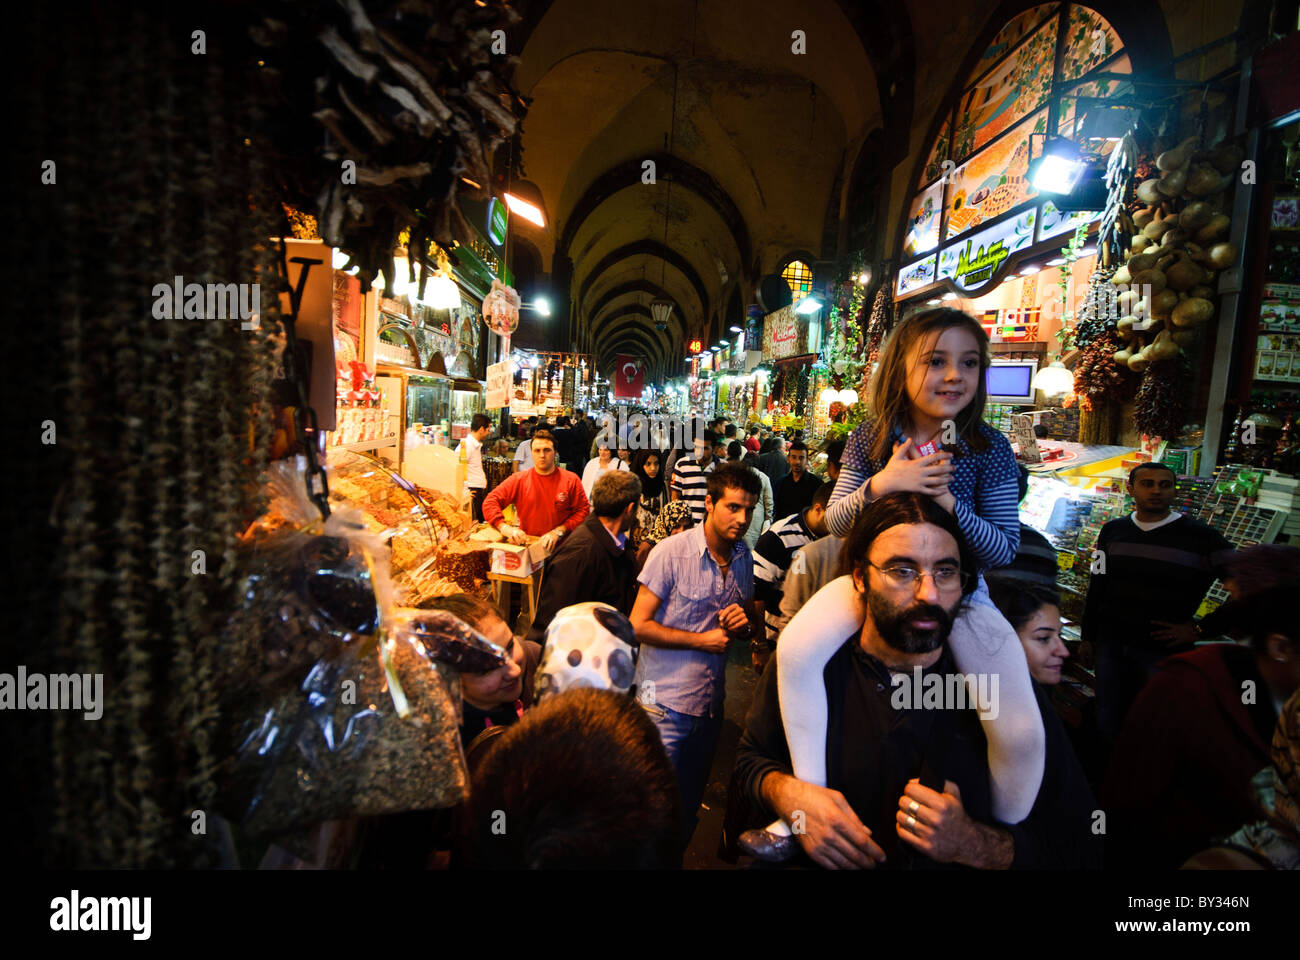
1084, 460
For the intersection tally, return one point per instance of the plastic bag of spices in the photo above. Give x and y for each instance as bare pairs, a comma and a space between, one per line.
341, 707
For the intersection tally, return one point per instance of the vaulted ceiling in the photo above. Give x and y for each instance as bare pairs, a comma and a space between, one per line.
757, 151
746, 142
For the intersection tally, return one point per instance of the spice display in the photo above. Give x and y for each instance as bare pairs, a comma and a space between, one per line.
345, 711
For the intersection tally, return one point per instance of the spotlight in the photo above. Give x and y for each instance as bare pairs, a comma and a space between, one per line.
808, 304
1058, 169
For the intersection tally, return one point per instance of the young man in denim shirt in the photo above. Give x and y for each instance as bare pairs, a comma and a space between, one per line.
696, 596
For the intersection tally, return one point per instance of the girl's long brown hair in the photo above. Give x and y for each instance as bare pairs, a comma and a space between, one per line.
889, 402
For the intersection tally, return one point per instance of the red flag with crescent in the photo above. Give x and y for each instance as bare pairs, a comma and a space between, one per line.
629, 376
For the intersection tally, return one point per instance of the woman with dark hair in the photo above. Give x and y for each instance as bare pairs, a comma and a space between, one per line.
925, 434
648, 466
1034, 612
498, 697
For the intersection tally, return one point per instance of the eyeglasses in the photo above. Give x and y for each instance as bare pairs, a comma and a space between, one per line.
903, 577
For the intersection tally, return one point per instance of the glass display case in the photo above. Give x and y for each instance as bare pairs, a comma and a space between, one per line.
428, 410
424, 528
466, 400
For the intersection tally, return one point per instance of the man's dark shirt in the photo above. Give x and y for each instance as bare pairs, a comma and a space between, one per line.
774, 465
564, 443
1160, 574
792, 497
587, 566
872, 750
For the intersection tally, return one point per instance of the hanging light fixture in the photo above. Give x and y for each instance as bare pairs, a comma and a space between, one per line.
661, 310
828, 396
1054, 379
441, 292
848, 397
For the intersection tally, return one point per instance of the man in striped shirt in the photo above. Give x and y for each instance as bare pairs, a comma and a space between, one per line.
772, 558
690, 477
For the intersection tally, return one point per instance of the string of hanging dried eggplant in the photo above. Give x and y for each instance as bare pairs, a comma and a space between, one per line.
415, 94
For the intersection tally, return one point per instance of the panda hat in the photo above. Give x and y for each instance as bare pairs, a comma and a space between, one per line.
587, 645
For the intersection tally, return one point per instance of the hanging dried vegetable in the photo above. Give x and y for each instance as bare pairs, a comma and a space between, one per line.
1097, 313
416, 95
1097, 378
1161, 400
161, 438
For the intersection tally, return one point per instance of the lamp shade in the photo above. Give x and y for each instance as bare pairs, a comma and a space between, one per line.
441, 292
829, 396
848, 397
1054, 379
661, 310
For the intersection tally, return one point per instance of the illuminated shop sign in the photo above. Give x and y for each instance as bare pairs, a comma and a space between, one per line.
919, 274
973, 262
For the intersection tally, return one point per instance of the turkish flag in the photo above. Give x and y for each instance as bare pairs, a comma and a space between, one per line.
629, 376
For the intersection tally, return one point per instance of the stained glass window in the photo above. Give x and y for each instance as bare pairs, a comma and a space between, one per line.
799, 275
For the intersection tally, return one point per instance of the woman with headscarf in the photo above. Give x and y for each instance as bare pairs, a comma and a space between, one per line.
648, 466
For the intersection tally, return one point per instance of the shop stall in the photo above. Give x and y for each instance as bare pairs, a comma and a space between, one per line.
791, 342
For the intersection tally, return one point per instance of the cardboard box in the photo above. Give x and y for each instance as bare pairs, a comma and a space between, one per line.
1184, 461
517, 560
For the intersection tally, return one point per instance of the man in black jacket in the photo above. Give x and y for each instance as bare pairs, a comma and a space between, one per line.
593, 562
907, 772
772, 460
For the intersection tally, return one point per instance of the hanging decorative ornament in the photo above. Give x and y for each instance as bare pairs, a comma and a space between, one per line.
501, 309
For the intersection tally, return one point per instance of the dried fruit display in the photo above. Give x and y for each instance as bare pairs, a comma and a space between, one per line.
465, 563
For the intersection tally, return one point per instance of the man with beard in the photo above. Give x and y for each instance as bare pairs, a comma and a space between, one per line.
908, 779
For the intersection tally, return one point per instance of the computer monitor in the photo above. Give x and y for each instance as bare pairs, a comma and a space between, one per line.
1011, 381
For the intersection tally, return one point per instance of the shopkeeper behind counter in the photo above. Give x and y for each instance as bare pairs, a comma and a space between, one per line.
548, 499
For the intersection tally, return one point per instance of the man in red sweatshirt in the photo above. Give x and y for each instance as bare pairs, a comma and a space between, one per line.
549, 500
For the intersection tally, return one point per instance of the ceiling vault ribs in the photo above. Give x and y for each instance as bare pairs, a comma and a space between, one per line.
650, 248
671, 169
